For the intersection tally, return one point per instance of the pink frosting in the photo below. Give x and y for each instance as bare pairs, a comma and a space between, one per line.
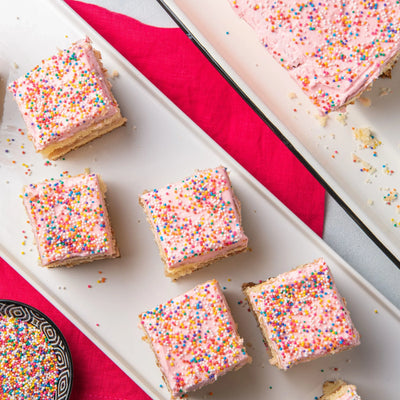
333, 49
63, 95
69, 218
303, 314
350, 394
196, 219
194, 338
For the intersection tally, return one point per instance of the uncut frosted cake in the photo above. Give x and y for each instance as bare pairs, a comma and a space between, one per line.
333, 49
66, 100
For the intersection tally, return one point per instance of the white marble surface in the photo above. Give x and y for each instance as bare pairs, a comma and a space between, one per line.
340, 231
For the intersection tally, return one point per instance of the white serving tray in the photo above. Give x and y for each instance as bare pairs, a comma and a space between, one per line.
232, 46
160, 145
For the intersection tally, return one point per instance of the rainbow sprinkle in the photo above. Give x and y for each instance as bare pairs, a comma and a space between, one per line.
69, 219
303, 315
194, 338
28, 365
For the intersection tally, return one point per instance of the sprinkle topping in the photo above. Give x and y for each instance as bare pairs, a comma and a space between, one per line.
28, 365
303, 313
333, 49
194, 338
69, 218
195, 218
63, 94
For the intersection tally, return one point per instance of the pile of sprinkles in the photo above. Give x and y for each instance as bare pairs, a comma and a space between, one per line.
69, 218
61, 94
333, 49
28, 365
303, 313
194, 338
194, 217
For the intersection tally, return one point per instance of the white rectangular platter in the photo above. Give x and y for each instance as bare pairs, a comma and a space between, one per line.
160, 145
327, 151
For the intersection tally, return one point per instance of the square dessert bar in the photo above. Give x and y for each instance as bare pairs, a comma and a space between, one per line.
339, 390
194, 338
301, 315
66, 100
195, 221
69, 220
333, 49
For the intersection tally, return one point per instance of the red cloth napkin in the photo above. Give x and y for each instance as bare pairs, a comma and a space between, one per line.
170, 61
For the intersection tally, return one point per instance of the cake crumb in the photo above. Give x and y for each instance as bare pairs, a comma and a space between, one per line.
386, 170
322, 119
365, 101
390, 196
115, 74
366, 137
16, 66
366, 167
370, 202
384, 91
342, 118
292, 95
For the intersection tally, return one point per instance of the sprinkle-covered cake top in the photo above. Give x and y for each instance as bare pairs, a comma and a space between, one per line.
69, 218
303, 314
195, 218
194, 338
63, 94
333, 49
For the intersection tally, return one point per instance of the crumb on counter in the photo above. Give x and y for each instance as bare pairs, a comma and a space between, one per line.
366, 166
390, 196
342, 118
366, 138
322, 119
384, 91
365, 101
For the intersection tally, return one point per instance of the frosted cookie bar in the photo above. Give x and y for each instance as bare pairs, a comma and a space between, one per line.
69, 220
195, 221
194, 338
301, 315
66, 100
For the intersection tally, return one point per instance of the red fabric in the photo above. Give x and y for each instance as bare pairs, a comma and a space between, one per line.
169, 60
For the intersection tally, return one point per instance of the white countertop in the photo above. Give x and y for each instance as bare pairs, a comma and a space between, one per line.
340, 232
